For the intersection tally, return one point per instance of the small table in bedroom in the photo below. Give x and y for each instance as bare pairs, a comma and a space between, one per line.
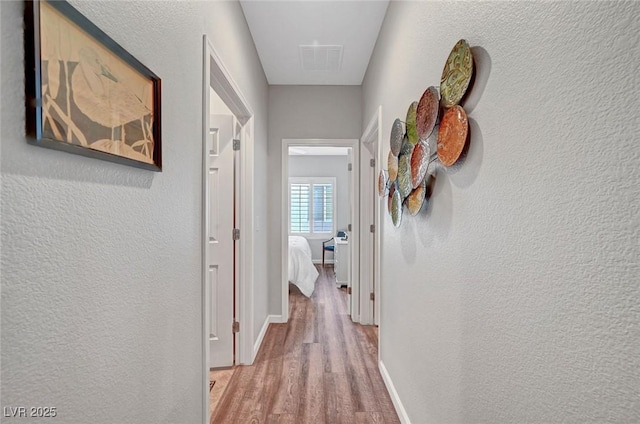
341, 264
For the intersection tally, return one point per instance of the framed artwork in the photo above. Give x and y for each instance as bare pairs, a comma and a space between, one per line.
85, 94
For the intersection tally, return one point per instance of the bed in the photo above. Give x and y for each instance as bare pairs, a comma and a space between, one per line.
302, 272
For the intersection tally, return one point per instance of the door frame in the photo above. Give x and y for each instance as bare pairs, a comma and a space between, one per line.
371, 135
354, 237
216, 75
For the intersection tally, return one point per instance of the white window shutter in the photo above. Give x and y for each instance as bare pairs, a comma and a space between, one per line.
300, 207
323, 208
312, 205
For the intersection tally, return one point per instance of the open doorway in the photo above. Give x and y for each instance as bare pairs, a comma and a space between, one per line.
320, 223
227, 150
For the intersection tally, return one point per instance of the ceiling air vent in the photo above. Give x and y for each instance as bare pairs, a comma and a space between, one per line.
321, 57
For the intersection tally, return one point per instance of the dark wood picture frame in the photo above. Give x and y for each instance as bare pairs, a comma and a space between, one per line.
85, 94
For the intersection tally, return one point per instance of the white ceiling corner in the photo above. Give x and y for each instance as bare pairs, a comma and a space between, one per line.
280, 29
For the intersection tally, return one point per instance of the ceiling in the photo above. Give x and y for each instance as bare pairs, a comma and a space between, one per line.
318, 151
335, 39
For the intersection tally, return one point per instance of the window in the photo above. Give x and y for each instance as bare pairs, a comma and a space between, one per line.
312, 205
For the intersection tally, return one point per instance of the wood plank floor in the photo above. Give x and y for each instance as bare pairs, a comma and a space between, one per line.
318, 368
222, 377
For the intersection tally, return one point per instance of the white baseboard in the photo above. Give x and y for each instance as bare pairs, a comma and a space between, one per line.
402, 414
268, 320
319, 261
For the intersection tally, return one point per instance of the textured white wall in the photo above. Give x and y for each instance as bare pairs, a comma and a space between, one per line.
325, 166
302, 112
514, 297
101, 308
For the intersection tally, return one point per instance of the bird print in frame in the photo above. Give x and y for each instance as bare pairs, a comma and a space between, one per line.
91, 96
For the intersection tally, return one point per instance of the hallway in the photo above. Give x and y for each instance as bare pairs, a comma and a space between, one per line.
318, 368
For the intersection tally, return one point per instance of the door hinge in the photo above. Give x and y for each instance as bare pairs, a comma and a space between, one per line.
348, 290
372, 296
349, 227
350, 167
372, 228
236, 144
372, 162
236, 233
236, 327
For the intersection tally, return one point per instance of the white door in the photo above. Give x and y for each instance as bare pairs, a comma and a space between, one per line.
351, 297
372, 198
220, 213
367, 243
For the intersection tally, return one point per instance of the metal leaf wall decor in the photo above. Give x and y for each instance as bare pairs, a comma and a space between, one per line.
436, 129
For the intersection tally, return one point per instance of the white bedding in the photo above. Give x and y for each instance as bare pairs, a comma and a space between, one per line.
302, 272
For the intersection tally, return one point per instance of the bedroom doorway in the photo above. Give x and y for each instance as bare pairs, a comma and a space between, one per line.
227, 225
321, 204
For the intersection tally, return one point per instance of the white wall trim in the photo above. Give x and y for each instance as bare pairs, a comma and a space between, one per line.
276, 319
226, 87
319, 261
397, 403
354, 217
265, 326
372, 135
374, 124
216, 75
